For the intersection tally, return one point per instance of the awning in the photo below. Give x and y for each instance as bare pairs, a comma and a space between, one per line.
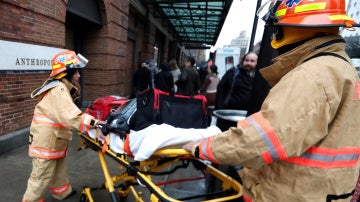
87, 9
195, 24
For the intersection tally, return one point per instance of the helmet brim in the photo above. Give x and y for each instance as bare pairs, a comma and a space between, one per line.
317, 20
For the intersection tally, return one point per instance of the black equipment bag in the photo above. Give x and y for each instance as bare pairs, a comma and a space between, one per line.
120, 119
157, 107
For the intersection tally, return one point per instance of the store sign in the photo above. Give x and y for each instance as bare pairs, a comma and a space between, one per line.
21, 56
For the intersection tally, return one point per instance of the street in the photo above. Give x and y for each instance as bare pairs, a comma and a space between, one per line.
84, 170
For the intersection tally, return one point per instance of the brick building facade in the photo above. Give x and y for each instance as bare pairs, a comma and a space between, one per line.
116, 40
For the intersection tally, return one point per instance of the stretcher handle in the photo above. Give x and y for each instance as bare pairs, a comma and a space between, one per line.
170, 151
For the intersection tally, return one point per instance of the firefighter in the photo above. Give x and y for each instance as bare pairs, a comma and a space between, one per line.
55, 115
303, 144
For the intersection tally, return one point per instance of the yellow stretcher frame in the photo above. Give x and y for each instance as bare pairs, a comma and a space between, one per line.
132, 174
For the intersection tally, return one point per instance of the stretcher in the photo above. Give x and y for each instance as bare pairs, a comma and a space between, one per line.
141, 173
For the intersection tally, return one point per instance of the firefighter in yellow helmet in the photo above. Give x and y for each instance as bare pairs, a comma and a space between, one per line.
303, 144
55, 115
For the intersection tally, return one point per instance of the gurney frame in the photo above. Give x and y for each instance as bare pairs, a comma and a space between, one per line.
120, 186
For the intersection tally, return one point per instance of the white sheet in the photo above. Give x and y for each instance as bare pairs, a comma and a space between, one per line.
145, 142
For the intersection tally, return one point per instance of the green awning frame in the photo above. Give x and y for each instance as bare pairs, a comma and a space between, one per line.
195, 24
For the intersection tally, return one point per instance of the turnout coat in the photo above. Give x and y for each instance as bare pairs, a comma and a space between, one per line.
55, 115
303, 145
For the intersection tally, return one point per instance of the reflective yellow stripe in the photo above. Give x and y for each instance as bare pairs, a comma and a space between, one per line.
280, 12
339, 17
56, 66
46, 153
46, 120
68, 62
310, 7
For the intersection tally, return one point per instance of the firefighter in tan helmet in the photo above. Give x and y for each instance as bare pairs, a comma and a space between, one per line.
303, 144
55, 115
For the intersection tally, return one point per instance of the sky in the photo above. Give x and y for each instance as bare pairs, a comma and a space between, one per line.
241, 17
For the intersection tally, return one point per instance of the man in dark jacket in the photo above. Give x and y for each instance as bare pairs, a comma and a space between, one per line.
164, 80
189, 80
142, 79
234, 89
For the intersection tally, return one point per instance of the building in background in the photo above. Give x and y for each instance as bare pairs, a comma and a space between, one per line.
242, 42
352, 38
116, 37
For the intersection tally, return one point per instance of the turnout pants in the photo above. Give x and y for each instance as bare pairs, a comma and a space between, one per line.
47, 174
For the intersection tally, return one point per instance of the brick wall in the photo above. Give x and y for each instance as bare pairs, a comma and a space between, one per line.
106, 73
16, 106
42, 22
36, 22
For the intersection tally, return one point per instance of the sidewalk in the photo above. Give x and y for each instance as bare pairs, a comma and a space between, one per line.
83, 169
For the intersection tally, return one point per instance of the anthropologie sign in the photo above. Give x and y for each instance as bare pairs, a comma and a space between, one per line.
21, 56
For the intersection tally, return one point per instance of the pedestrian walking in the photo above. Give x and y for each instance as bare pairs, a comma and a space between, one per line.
209, 88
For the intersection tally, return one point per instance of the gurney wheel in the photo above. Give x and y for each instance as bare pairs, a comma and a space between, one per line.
84, 198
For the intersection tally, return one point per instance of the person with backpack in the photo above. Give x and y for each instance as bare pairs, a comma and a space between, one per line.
303, 144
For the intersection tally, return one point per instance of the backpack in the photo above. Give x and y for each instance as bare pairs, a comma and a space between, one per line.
120, 119
156, 107
102, 106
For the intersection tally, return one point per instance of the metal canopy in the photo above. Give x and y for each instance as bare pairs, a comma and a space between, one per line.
196, 24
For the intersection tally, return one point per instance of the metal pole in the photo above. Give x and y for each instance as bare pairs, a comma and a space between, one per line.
260, 86
253, 32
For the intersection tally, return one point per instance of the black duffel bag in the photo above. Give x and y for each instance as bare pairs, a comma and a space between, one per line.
157, 107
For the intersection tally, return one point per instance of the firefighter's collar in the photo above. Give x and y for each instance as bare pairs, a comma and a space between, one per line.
48, 84
289, 60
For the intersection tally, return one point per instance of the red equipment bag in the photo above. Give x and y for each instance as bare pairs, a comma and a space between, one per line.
156, 107
101, 107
